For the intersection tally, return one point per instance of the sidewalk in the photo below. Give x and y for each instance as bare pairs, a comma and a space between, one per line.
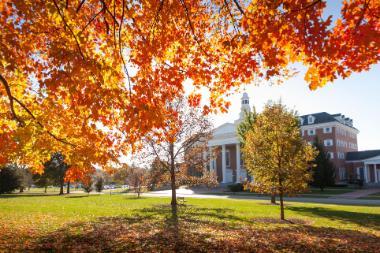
340, 201
357, 194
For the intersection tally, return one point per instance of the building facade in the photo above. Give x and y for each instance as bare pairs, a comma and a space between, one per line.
337, 135
228, 163
335, 132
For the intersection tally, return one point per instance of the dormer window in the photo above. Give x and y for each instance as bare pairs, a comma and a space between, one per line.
310, 119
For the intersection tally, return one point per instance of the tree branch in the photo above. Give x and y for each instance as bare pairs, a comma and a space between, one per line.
10, 98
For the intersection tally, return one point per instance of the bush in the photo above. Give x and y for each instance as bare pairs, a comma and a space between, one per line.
99, 184
9, 180
236, 187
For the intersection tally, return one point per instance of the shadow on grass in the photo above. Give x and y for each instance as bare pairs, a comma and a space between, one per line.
196, 230
22, 195
369, 220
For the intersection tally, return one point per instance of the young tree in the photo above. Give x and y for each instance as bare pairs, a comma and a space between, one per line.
9, 179
181, 145
324, 170
56, 169
138, 179
276, 155
243, 128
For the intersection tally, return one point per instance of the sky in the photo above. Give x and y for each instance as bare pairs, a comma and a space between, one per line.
357, 97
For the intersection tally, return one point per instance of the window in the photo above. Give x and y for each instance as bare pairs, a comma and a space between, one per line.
328, 143
330, 155
311, 132
228, 163
327, 130
301, 121
310, 119
311, 143
340, 155
342, 173
245, 102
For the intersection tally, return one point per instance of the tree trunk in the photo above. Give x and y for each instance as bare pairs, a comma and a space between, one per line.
21, 189
46, 189
173, 184
61, 189
273, 198
68, 187
282, 206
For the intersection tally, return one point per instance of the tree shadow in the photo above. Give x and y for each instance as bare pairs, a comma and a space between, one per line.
369, 220
23, 195
196, 230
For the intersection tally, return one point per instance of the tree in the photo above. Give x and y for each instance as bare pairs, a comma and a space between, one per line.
87, 184
246, 125
324, 170
56, 169
24, 176
99, 184
9, 179
69, 67
138, 179
180, 146
276, 155
42, 180
243, 128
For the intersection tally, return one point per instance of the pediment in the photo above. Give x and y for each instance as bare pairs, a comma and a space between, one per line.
227, 128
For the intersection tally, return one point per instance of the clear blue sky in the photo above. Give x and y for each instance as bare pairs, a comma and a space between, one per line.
357, 97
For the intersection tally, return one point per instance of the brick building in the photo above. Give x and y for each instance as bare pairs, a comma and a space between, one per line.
335, 131
337, 135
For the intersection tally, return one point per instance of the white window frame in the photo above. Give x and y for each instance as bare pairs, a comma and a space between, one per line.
330, 155
310, 119
327, 130
328, 143
311, 132
342, 173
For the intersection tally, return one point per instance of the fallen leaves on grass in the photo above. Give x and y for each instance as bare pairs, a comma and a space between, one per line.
195, 230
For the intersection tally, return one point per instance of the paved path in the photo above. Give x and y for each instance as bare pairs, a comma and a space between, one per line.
190, 194
357, 194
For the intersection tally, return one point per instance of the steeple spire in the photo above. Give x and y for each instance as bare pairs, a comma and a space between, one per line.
245, 107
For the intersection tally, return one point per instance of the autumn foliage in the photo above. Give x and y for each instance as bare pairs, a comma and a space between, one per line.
88, 78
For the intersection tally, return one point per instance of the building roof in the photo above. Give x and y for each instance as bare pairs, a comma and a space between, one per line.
362, 155
324, 117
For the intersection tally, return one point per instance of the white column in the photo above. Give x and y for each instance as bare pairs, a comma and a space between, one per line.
211, 159
366, 171
224, 170
238, 168
376, 176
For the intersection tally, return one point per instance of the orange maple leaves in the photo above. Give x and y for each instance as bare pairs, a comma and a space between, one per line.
99, 73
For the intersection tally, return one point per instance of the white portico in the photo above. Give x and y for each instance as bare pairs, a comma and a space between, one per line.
228, 163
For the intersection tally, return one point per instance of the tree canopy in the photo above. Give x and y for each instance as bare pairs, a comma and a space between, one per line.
276, 155
89, 78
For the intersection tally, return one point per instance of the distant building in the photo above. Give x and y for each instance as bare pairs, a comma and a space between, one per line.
364, 165
337, 135
335, 131
228, 164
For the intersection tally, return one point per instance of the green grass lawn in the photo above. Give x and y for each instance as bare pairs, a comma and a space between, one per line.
78, 222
